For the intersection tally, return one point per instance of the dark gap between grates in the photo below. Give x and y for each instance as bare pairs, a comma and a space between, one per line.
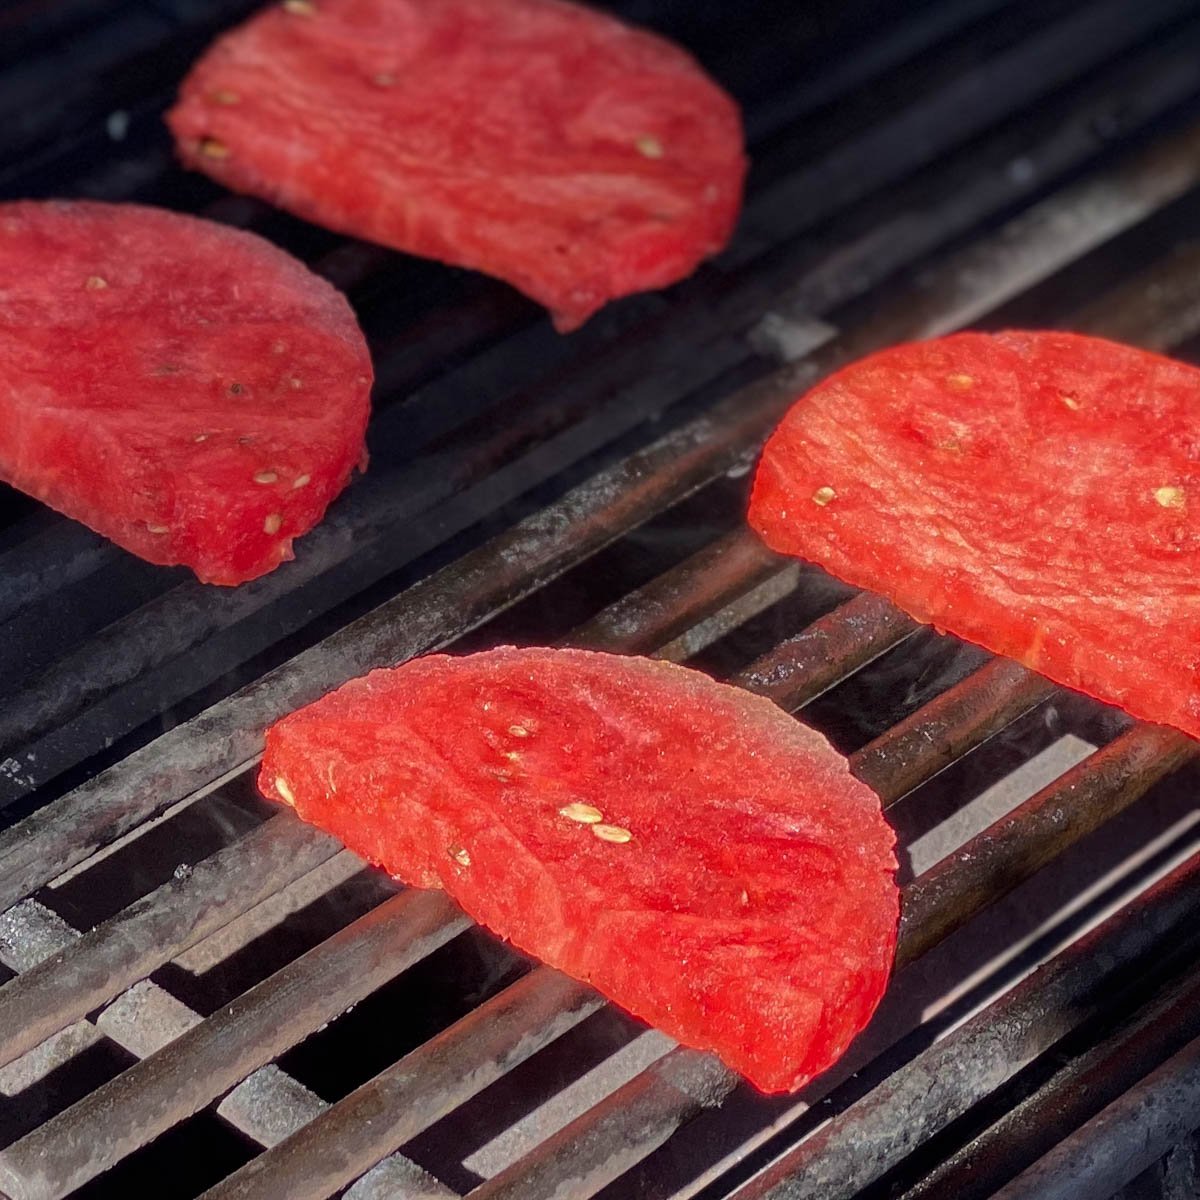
416, 1006
280, 945
210, 1149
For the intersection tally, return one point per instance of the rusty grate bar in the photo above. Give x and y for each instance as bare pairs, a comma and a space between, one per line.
802, 667
656, 614
942, 731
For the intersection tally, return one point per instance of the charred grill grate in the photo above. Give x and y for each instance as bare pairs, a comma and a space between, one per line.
206, 994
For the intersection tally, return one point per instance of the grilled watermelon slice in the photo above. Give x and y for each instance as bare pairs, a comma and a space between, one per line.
185, 389
1037, 493
536, 140
696, 854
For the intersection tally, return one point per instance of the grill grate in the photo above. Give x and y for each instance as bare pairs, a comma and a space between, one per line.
914, 173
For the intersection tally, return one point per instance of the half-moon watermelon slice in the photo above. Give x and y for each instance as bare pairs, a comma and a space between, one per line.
1036, 493
536, 140
188, 390
695, 853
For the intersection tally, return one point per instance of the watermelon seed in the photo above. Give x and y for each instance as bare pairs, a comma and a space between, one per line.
301, 481
649, 146
285, 792
1072, 403
300, 8
500, 773
211, 148
511, 755
265, 477
823, 495
960, 383
200, 437
745, 896
460, 856
158, 528
612, 833
585, 814
296, 383
384, 79
96, 283
225, 96
245, 440
1170, 497
272, 524
236, 389
518, 731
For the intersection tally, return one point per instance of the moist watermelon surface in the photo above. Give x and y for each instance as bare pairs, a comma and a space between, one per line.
185, 389
1035, 492
535, 140
689, 849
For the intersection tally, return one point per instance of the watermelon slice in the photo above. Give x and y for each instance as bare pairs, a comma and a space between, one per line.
535, 140
699, 856
187, 390
1037, 493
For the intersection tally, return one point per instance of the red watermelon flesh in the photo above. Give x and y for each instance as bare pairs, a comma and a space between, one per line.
689, 849
536, 140
185, 389
1036, 493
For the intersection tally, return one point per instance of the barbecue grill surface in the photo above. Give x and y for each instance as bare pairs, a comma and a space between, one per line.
200, 993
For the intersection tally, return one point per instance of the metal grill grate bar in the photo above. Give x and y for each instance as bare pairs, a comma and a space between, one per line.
802, 667
945, 729
1067, 1101
992, 864
190, 1072
944, 1081
417, 1091
677, 600
1118, 1144
156, 928
267, 1106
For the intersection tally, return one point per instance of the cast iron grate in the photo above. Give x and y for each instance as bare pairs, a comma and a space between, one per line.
206, 994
